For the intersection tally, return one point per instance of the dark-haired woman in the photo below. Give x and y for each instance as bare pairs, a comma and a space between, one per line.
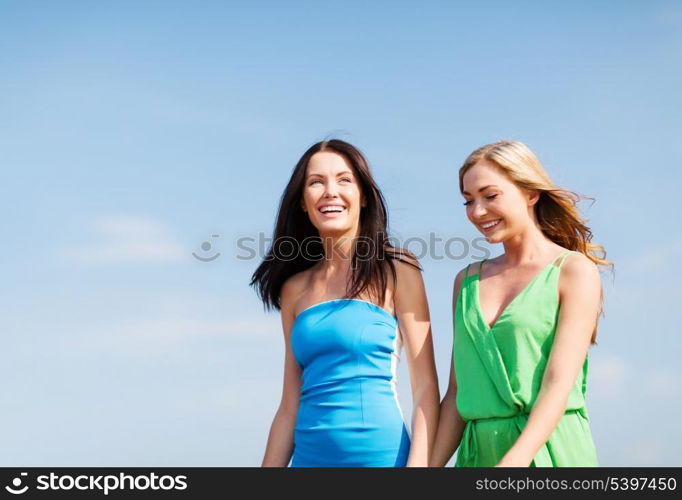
348, 302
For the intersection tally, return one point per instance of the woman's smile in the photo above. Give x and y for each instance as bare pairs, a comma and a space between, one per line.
332, 210
489, 226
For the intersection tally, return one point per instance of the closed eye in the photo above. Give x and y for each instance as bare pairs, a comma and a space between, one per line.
489, 197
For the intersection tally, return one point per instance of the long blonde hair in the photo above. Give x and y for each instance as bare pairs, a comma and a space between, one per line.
556, 210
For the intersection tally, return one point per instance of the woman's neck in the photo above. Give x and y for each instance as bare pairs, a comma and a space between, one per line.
338, 250
529, 247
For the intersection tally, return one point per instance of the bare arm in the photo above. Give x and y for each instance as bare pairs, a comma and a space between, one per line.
579, 292
450, 424
412, 311
281, 438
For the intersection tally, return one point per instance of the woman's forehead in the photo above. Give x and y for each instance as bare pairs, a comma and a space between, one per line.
483, 172
328, 162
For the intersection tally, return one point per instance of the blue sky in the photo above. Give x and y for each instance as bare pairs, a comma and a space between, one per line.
130, 132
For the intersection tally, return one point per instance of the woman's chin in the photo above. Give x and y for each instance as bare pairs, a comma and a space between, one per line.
494, 238
327, 229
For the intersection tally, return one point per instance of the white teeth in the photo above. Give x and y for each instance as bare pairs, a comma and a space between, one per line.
490, 224
331, 209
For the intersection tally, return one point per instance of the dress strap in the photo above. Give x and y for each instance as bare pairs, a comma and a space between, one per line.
466, 271
480, 264
562, 258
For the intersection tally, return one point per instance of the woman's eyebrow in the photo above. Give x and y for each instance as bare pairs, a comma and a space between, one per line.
345, 172
481, 189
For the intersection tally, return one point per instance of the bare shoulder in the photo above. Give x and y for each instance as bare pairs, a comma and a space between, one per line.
409, 286
579, 275
578, 266
457, 284
405, 259
409, 295
408, 264
459, 277
408, 270
293, 288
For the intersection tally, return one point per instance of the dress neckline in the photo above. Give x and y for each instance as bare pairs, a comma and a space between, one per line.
558, 261
326, 302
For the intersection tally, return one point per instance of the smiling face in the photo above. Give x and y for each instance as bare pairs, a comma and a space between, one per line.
331, 194
494, 204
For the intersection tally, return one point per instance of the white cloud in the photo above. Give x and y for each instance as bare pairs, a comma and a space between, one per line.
129, 239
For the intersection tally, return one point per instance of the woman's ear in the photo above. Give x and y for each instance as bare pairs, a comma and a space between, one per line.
303, 205
533, 197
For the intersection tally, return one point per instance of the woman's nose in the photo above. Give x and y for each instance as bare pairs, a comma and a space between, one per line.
478, 209
330, 190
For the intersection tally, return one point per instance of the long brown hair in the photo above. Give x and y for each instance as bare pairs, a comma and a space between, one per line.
372, 255
556, 210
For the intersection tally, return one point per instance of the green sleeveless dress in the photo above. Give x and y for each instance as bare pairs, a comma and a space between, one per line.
499, 371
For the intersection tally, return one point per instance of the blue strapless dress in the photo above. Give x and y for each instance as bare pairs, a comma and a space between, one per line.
349, 414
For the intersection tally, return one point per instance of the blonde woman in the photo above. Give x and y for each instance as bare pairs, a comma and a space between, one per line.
523, 321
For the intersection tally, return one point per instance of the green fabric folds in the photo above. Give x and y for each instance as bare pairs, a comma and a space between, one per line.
499, 371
